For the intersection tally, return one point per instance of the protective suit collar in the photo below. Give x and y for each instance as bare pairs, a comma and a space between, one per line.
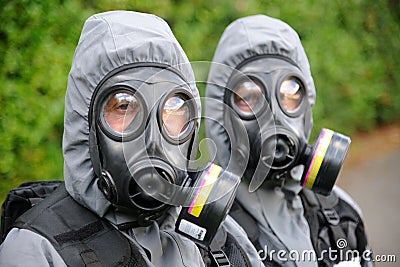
108, 41
279, 210
161, 244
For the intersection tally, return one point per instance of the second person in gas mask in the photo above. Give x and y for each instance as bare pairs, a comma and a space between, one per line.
259, 97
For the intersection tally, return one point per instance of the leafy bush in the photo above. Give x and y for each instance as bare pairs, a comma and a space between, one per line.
353, 48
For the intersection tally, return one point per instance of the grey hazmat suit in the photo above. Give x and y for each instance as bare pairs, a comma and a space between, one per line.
109, 41
276, 207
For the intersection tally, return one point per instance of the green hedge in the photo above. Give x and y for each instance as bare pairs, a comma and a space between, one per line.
353, 47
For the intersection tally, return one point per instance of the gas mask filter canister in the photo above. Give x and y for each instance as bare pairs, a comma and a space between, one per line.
324, 160
208, 203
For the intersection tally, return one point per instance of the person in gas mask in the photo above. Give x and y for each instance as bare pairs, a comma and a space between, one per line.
131, 122
259, 97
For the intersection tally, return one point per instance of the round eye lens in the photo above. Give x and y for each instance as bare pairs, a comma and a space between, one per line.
175, 116
247, 97
290, 95
120, 109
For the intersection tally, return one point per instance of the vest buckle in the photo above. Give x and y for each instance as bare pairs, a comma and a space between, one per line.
331, 216
219, 259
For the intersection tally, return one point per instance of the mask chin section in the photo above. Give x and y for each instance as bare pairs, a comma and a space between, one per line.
151, 189
324, 160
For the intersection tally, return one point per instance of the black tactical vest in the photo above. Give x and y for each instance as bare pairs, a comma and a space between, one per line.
331, 220
81, 237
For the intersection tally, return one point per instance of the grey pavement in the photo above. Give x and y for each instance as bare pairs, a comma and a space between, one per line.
375, 186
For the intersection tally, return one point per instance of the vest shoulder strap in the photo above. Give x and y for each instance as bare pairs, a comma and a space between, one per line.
79, 235
251, 227
224, 252
245, 220
334, 224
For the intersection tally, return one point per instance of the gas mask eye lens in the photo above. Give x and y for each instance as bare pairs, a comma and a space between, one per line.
290, 95
120, 109
247, 97
175, 116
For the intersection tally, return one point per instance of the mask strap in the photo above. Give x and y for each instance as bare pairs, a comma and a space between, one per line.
190, 154
94, 152
308, 119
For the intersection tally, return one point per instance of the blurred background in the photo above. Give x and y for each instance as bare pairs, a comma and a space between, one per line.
354, 51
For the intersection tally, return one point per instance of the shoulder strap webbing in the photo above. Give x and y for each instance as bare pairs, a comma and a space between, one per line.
250, 226
235, 253
219, 259
79, 235
225, 252
245, 220
331, 221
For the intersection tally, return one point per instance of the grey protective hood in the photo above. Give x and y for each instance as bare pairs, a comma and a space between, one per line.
108, 41
243, 39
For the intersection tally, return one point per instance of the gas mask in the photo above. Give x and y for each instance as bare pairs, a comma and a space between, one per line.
143, 130
269, 97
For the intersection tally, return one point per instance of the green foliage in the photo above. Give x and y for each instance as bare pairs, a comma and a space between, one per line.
353, 47
37, 43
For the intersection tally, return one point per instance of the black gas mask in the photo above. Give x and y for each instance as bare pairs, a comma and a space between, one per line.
143, 130
270, 99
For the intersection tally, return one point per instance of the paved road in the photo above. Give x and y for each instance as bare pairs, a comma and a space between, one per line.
375, 186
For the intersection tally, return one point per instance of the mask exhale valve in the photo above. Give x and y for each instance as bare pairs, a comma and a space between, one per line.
324, 160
